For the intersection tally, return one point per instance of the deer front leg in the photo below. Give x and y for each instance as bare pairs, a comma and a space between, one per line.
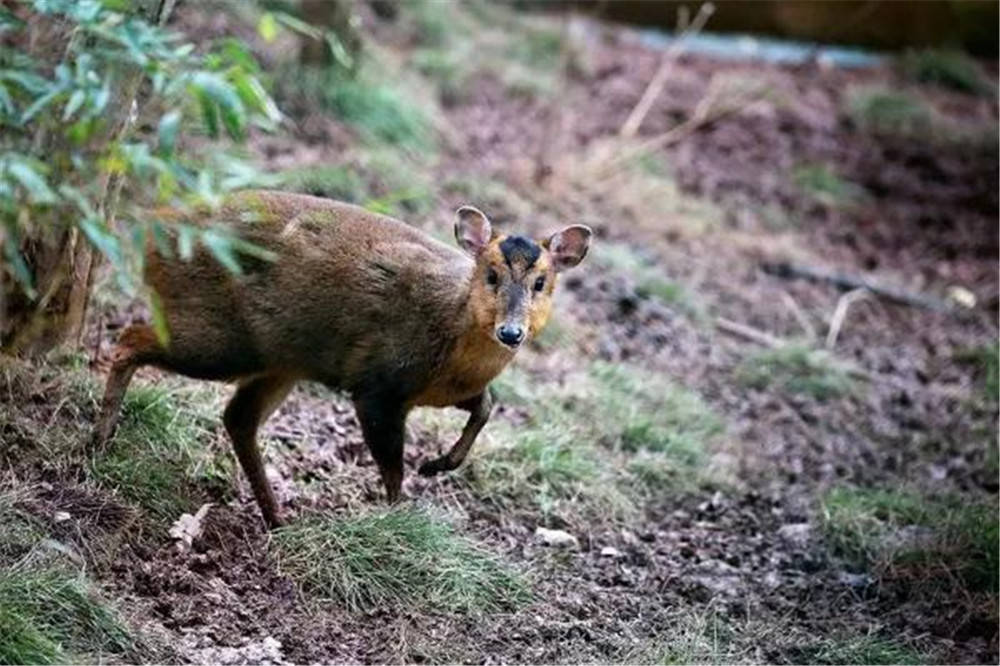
479, 409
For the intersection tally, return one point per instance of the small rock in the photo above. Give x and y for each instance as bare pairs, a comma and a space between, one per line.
557, 538
857, 581
61, 516
796, 534
609, 551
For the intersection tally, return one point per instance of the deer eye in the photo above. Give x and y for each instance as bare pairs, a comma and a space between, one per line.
492, 278
540, 283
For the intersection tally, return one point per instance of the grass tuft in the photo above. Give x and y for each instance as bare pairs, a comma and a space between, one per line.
903, 533
595, 444
650, 280
823, 184
946, 68
640, 410
883, 110
401, 558
162, 456
334, 182
379, 112
795, 369
49, 613
858, 650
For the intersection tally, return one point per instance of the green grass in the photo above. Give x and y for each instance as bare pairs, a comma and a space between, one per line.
49, 613
947, 68
640, 410
594, 445
900, 532
650, 280
859, 650
823, 184
162, 457
19, 530
377, 110
334, 182
883, 110
795, 369
549, 471
401, 557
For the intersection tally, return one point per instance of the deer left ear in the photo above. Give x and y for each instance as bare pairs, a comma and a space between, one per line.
472, 229
569, 246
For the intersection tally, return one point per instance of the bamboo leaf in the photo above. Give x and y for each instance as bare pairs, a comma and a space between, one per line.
73, 105
267, 27
32, 181
167, 132
222, 249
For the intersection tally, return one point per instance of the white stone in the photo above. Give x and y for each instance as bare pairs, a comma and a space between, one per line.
557, 538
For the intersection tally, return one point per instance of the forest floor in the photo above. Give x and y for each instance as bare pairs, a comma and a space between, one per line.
772, 497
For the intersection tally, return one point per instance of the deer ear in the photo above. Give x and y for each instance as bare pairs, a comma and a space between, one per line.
569, 246
472, 229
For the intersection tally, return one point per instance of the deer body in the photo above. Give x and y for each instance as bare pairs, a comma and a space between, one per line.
357, 301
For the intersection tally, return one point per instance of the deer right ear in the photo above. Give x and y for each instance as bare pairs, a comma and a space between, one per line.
472, 229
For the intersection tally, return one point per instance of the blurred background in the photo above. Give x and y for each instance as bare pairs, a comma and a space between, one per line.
765, 409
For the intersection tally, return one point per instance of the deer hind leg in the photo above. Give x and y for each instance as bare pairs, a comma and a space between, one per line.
383, 424
253, 402
136, 346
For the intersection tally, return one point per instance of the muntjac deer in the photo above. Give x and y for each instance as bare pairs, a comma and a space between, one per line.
356, 301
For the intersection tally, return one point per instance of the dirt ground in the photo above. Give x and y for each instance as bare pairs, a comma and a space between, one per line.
741, 570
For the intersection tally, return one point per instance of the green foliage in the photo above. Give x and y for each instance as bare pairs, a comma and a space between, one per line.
67, 139
431, 21
887, 111
400, 557
823, 183
19, 531
858, 650
650, 280
946, 68
379, 112
642, 410
162, 457
49, 613
590, 439
899, 530
335, 182
795, 369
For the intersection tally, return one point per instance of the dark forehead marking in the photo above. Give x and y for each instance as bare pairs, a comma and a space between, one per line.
518, 249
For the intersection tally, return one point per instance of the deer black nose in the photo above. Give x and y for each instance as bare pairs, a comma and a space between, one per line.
510, 335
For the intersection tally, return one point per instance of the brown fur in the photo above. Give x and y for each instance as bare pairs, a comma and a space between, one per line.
358, 301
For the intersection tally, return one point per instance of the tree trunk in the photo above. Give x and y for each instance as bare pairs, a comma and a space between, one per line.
60, 260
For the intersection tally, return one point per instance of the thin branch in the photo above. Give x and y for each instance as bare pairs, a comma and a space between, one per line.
659, 80
844, 281
765, 339
799, 314
840, 313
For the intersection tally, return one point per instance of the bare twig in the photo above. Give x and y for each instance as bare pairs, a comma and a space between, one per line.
748, 333
851, 282
765, 339
715, 105
659, 80
799, 314
840, 313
